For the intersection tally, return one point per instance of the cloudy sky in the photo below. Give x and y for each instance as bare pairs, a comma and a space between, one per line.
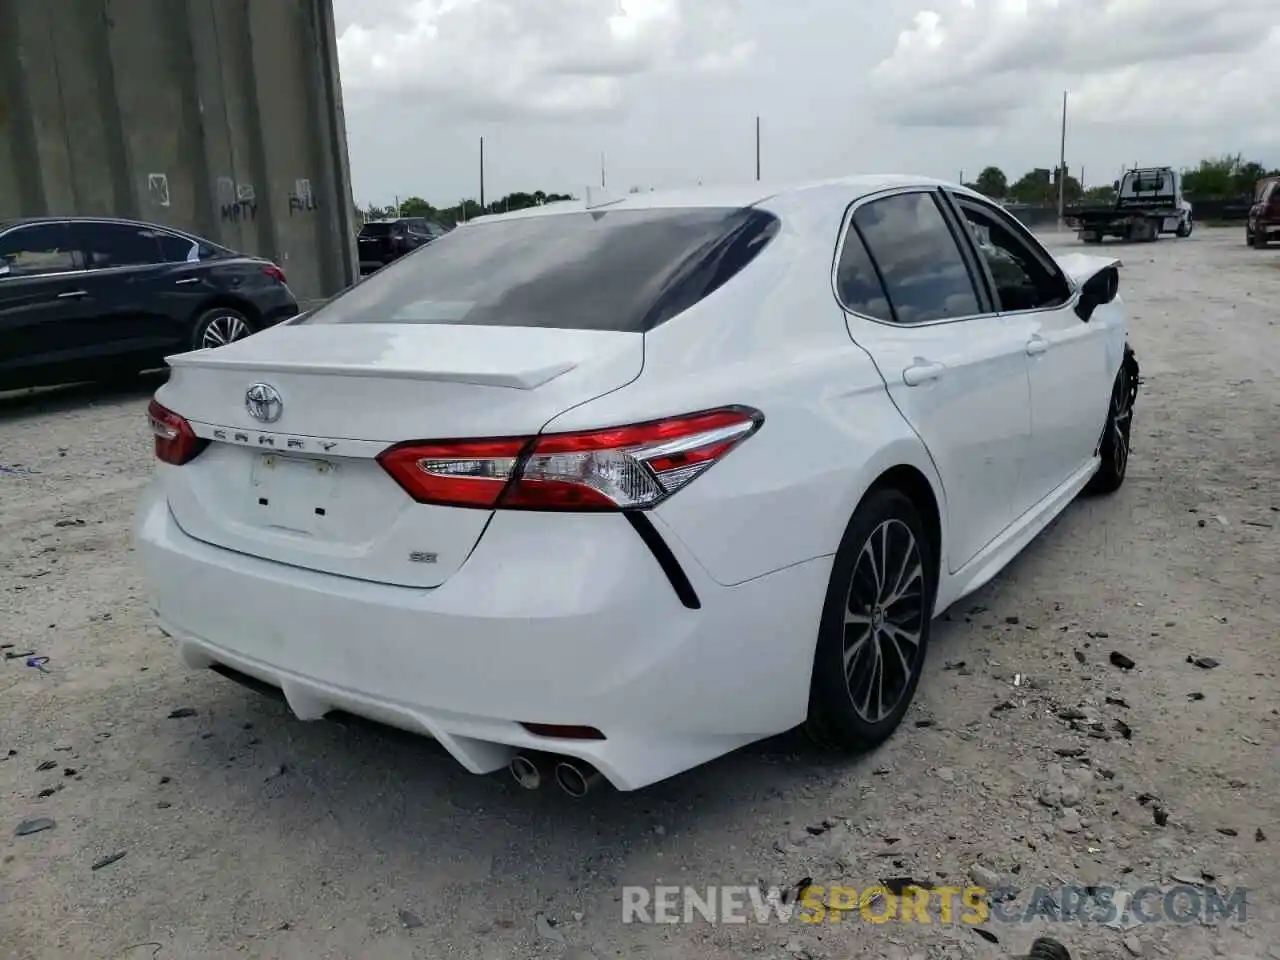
668, 90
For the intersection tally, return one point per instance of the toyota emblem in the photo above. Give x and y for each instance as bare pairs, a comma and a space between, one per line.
263, 402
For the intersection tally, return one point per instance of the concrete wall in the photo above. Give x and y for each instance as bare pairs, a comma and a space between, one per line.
222, 117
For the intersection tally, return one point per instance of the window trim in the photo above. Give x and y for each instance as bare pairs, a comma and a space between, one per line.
193, 251
955, 199
137, 228
986, 306
66, 224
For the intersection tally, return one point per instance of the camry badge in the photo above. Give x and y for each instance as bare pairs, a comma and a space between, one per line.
263, 402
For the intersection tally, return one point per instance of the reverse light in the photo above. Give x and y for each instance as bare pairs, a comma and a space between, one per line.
176, 442
619, 468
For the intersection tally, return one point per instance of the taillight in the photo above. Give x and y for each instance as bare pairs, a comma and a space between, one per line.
618, 468
274, 272
176, 442
464, 473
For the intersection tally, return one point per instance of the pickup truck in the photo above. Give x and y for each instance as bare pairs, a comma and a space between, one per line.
1148, 203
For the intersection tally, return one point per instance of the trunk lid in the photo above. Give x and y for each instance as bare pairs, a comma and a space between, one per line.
303, 488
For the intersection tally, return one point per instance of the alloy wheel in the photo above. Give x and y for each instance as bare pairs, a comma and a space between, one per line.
885, 618
1121, 417
223, 329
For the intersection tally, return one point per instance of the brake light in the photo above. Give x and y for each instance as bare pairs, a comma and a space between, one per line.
176, 442
464, 473
618, 468
275, 273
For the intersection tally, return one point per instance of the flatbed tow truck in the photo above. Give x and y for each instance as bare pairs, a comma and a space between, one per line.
1148, 203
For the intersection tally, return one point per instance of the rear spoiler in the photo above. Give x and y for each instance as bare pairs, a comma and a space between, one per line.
521, 377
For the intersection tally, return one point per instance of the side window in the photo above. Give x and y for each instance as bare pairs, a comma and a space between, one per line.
118, 245
38, 249
857, 283
1023, 280
176, 249
924, 272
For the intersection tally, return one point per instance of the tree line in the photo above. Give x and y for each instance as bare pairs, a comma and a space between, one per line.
1228, 177
465, 210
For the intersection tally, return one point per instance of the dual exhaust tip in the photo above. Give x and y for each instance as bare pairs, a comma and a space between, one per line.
572, 776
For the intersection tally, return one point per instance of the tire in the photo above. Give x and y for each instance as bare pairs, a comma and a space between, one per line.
845, 713
1185, 228
1089, 237
222, 323
1114, 444
1047, 948
1248, 237
1260, 239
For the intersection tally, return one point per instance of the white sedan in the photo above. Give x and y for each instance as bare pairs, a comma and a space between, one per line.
604, 492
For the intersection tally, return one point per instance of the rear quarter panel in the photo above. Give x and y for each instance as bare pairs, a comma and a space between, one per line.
773, 338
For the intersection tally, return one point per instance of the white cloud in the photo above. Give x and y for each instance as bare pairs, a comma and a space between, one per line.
544, 57
1145, 62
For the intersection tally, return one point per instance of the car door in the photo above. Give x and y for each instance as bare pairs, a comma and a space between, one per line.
915, 301
41, 300
129, 281
1068, 368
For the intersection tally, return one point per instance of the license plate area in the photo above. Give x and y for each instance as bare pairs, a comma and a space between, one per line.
294, 494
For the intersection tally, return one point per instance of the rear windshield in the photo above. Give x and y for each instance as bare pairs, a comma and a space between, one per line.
376, 229
621, 270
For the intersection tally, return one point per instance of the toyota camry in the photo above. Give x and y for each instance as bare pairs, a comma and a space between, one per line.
602, 490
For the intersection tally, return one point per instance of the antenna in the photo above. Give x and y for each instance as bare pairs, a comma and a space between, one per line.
1062, 162
757, 148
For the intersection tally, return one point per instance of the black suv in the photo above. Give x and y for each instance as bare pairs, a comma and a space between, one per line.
382, 241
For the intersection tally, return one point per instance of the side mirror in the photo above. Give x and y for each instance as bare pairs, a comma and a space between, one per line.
1115, 185
1099, 289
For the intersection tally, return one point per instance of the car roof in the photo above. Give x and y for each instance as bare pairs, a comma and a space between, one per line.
122, 221
767, 196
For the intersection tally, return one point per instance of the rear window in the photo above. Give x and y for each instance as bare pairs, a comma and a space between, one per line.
376, 229
621, 270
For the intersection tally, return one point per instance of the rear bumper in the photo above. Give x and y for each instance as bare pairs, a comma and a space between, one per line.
554, 619
276, 306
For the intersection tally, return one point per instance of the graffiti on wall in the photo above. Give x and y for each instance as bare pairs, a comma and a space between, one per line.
301, 200
158, 189
237, 202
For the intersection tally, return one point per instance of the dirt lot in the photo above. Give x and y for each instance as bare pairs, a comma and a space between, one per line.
1029, 756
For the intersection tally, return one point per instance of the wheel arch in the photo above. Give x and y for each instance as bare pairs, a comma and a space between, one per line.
230, 302
906, 466
916, 487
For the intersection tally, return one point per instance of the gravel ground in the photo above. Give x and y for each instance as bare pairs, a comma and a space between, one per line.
1029, 758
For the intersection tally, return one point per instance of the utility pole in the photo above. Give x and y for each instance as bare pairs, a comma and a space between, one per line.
602, 171
1062, 163
757, 148
482, 175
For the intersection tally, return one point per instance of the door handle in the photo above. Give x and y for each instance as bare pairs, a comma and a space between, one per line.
919, 373
177, 283
1037, 345
73, 294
